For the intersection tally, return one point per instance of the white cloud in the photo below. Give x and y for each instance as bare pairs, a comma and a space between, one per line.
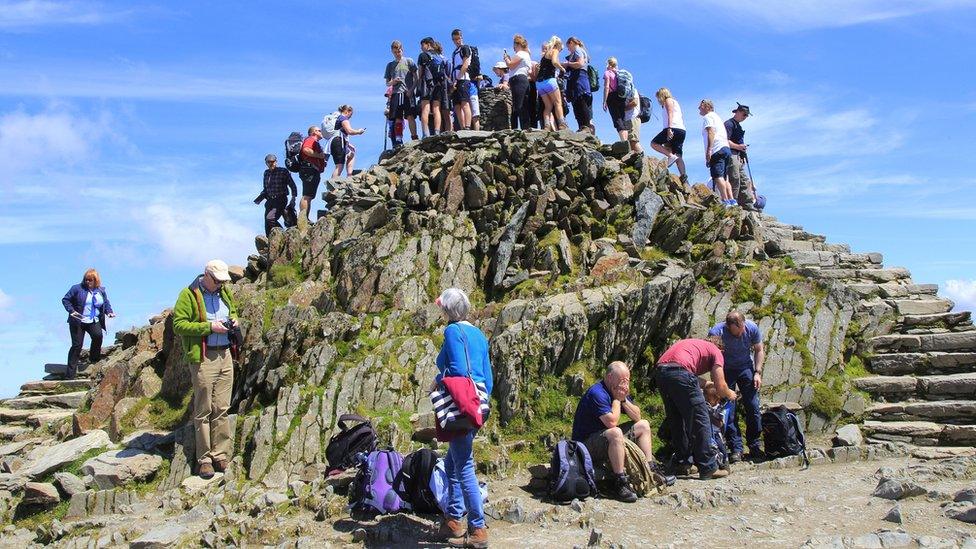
53, 138
194, 232
6, 308
962, 292
31, 14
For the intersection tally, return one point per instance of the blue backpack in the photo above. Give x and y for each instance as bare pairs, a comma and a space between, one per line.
571, 472
372, 489
438, 71
625, 84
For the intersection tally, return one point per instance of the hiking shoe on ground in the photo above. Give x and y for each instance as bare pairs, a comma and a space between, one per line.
679, 469
660, 475
220, 465
756, 455
477, 538
451, 528
736, 457
714, 473
205, 470
621, 490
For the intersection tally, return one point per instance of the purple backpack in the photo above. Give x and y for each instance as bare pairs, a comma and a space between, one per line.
373, 488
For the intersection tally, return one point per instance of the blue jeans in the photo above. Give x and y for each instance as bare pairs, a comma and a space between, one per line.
687, 415
464, 491
749, 402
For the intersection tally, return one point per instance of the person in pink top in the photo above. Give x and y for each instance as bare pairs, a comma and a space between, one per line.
684, 403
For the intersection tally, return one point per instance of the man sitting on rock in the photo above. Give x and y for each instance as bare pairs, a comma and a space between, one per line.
684, 403
742, 348
597, 425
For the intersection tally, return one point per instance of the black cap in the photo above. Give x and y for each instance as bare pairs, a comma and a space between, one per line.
741, 107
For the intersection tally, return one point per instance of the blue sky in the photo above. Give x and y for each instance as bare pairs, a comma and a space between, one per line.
132, 134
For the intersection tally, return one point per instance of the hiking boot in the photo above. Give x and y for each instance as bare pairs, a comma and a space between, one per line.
205, 470
621, 489
220, 465
679, 469
736, 457
660, 476
477, 537
684, 179
714, 473
450, 528
756, 455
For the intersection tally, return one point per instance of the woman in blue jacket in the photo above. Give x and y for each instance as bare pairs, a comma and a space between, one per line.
87, 306
464, 345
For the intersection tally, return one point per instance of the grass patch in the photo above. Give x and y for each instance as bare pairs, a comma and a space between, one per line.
652, 254
827, 399
166, 415
32, 522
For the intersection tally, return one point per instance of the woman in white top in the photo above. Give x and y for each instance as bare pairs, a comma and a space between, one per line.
671, 139
518, 80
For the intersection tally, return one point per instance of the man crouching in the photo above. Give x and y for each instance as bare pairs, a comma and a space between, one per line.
597, 425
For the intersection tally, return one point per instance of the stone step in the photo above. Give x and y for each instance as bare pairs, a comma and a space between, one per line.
9, 432
33, 417
953, 341
921, 363
935, 387
55, 387
62, 400
940, 320
922, 433
858, 275
956, 412
921, 306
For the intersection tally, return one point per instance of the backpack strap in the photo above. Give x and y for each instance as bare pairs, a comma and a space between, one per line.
799, 435
350, 417
587, 465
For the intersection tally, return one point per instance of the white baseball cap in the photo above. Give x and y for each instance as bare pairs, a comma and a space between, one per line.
217, 269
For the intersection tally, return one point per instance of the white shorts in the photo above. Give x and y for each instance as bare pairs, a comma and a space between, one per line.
475, 106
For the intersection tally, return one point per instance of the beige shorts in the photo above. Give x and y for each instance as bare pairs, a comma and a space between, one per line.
597, 444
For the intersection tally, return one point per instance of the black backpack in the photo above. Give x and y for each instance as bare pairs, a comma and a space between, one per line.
349, 441
571, 473
645, 109
293, 151
782, 434
412, 483
474, 66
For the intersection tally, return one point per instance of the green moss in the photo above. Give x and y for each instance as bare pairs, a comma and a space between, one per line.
286, 274
166, 415
127, 423
855, 368
652, 254
826, 397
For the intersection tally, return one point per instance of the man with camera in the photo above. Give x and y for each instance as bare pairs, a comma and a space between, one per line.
205, 316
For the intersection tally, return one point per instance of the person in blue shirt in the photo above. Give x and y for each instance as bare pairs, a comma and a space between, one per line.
87, 305
742, 347
464, 353
597, 424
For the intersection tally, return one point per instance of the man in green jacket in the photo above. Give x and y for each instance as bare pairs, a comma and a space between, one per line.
202, 315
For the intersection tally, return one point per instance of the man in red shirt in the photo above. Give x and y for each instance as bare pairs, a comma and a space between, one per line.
684, 402
310, 172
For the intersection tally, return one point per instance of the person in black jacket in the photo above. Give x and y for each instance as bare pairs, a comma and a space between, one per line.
87, 305
277, 184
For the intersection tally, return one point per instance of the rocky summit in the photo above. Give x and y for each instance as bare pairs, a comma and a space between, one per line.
574, 253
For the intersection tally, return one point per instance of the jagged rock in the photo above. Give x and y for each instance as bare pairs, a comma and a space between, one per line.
475, 192
40, 494
146, 384
620, 189
165, 535
647, 207
967, 495
890, 539
45, 459
894, 515
508, 509
964, 512
848, 435
118, 467
897, 488
69, 483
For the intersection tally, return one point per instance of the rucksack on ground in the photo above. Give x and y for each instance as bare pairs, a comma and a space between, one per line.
571, 473
594, 77
329, 125
293, 151
625, 84
413, 482
645, 109
356, 435
782, 434
642, 480
372, 489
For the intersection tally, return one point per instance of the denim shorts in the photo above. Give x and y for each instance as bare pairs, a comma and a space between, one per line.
719, 165
547, 86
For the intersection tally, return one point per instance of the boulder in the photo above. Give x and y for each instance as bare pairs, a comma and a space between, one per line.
68, 483
165, 535
898, 488
119, 467
45, 459
620, 189
848, 435
40, 494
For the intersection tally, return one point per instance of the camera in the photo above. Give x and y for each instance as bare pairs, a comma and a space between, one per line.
229, 324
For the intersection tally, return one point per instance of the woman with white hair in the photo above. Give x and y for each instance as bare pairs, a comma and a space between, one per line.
464, 353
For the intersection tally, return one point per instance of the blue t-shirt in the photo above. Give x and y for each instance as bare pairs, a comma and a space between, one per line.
737, 351
216, 310
595, 403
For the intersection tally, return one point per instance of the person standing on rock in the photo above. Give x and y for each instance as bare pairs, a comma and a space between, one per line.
597, 424
464, 353
548, 87
670, 141
742, 347
613, 102
461, 95
310, 172
87, 305
739, 180
401, 75
343, 152
519, 67
431, 81
578, 90
684, 403
717, 152
203, 315
277, 182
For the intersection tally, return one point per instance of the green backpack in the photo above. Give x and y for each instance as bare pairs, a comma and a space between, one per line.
594, 78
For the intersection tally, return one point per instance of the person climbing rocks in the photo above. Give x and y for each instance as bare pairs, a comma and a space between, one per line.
739, 180
670, 140
401, 75
203, 315
717, 152
313, 164
87, 305
686, 411
277, 184
597, 424
742, 348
